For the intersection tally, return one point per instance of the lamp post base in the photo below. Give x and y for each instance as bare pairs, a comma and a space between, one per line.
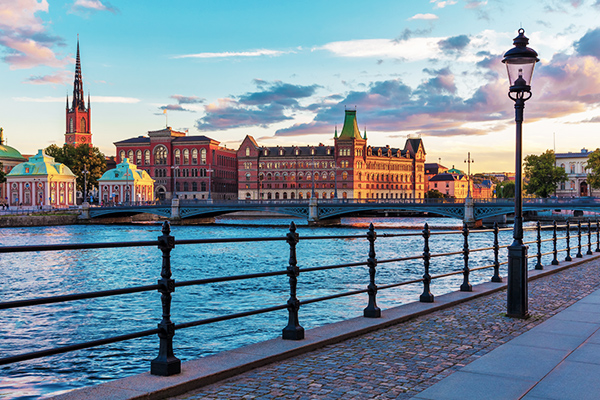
516, 295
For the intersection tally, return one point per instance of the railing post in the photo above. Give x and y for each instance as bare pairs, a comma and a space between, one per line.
579, 255
166, 364
597, 236
466, 286
568, 257
539, 246
554, 251
589, 252
293, 330
426, 297
372, 311
496, 277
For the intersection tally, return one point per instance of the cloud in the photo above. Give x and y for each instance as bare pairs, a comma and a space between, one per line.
423, 16
23, 35
408, 33
413, 49
442, 4
270, 104
593, 120
588, 45
93, 5
475, 4
454, 43
187, 99
228, 54
175, 107
59, 77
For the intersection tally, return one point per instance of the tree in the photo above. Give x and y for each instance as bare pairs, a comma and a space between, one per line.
434, 194
593, 167
505, 190
543, 174
76, 158
2, 174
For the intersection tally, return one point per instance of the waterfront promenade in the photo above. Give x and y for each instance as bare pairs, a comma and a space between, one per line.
403, 360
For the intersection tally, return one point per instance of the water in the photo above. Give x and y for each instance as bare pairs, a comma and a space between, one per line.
30, 275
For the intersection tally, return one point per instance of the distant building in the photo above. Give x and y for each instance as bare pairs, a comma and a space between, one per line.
483, 190
350, 169
432, 169
9, 157
126, 183
192, 167
574, 166
41, 182
451, 185
79, 119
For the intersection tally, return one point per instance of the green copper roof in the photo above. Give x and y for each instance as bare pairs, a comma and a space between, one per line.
7, 152
40, 164
126, 171
350, 129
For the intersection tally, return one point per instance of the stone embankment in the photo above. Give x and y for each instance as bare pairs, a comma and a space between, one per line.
66, 218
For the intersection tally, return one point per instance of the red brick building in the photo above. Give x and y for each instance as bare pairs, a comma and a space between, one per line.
350, 169
191, 167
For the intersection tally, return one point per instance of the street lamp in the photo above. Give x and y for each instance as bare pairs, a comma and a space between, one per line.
175, 169
208, 171
85, 173
469, 161
520, 61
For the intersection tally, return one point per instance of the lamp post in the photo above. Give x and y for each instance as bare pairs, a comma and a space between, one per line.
175, 169
208, 171
469, 161
85, 173
520, 61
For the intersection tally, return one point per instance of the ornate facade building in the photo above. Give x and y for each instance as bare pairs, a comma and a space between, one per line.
574, 165
78, 128
126, 183
350, 169
9, 158
41, 182
188, 167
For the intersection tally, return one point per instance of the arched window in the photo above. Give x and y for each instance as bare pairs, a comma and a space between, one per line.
82, 125
203, 156
248, 176
186, 186
194, 156
147, 157
186, 156
203, 186
572, 168
285, 195
71, 124
138, 157
130, 156
277, 195
247, 151
160, 155
121, 156
195, 186
177, 154
292, 195
345, 175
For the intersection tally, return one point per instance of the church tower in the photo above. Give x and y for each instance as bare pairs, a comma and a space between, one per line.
78, 116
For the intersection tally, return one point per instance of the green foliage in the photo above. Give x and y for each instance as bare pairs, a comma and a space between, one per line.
434, 194
505, 190
76, 158
542, 174
2, 174
593, 167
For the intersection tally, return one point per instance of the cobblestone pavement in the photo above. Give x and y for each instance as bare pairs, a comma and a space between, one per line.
400, 361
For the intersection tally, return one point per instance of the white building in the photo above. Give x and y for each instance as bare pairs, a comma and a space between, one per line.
41, 182
126, 184
574, 165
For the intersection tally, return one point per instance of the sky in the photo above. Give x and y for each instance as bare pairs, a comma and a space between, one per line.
283, 72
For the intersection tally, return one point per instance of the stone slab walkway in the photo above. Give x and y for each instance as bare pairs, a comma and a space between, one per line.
401, 361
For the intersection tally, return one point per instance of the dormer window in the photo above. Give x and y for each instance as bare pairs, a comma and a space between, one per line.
265, 152
247, 151
312, 151
280, 152
296, 151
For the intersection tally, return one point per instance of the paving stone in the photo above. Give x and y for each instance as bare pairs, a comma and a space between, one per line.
405, 359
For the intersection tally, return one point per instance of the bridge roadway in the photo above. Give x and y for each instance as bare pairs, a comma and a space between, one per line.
460, 347
321, 210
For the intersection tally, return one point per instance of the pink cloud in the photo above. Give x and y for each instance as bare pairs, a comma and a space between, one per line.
58, 78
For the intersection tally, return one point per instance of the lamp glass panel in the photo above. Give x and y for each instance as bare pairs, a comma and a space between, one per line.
520, 67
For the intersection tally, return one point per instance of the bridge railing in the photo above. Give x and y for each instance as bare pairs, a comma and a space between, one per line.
166, 363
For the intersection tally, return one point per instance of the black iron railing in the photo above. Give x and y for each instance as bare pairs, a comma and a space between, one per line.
166, 363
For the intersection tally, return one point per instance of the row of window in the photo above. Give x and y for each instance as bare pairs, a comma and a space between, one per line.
331, 195
331, 164
161, 156
308, 175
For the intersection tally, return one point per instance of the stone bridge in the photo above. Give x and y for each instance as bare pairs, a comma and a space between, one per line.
316, 210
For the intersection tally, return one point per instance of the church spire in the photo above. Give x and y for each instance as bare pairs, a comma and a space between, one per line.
78, 97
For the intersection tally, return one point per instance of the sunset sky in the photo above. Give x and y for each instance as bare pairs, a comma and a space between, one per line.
284, 71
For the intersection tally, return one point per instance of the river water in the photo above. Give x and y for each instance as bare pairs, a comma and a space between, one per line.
31, 275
